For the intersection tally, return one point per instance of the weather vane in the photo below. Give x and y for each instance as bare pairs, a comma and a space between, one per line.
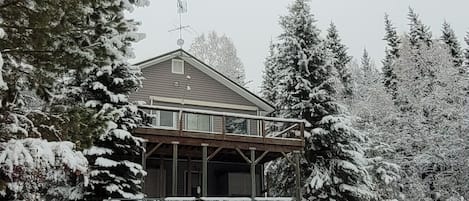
181, 8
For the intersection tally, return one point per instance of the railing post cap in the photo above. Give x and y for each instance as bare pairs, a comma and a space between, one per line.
204, 144
252, 148
174, 142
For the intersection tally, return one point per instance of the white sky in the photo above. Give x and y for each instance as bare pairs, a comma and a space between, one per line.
251, 24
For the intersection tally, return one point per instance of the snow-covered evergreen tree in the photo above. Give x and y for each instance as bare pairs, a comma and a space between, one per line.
392, 53
299, 42
367, 64
79, 47
333, 158
103, 80
419, 33
34, 169
373, 108
431, 122
449, 38
270, 76
219, 52
465, 67
339, 52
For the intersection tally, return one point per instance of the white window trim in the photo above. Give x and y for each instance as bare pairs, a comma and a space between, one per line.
157, 115
174, 127
172, 66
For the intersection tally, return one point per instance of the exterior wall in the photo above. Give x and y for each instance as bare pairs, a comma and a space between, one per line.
160, 81
218, 181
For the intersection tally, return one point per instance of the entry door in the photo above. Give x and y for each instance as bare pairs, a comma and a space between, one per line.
191, 184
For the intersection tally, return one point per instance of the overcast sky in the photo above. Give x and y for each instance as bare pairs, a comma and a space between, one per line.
251, 24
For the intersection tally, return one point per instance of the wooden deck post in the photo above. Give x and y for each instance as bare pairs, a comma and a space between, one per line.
144, 163
302, 130
297, 170
204, 169
253, 172
223, 119
162, 178
263, 128
189, 176
180, 121
175, 169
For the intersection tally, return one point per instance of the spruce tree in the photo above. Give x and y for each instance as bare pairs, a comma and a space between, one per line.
297, 43
449, 38
270, 76
333, 161
339, 52
419, 33
391, 54
104, 83
366, 63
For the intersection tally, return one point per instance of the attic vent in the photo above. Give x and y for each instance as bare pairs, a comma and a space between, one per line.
177, 66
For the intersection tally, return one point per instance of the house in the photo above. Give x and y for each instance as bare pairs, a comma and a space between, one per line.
207, 135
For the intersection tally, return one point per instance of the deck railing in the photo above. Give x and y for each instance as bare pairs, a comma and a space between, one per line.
224, 123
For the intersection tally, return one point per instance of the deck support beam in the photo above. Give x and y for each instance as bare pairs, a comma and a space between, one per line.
175, 169
297, 170
152, 150
204, 169
144, 163
253, 172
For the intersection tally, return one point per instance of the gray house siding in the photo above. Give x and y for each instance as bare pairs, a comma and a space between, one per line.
160, 81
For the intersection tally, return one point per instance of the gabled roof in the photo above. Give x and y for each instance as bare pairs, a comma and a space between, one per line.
205, 68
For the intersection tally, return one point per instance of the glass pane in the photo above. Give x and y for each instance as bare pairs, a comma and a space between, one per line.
191, 122
204, 122
166, 119
198, 122
236, 125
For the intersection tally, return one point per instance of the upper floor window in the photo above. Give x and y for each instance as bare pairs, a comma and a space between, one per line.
198, 122
164, 119
236, 125
177, 66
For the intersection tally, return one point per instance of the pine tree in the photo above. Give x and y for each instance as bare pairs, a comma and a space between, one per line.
333, 162
103, 83
465, 67
419, 32
297, 43
392, 53
449, 38
339, 52
270, 77
35, 42
366, 63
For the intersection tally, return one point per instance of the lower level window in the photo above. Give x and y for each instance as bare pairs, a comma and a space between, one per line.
198, 122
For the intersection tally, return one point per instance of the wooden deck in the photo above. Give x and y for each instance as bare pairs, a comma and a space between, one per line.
254, 141
226, 145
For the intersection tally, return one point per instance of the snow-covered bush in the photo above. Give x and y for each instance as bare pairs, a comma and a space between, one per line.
35, 169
